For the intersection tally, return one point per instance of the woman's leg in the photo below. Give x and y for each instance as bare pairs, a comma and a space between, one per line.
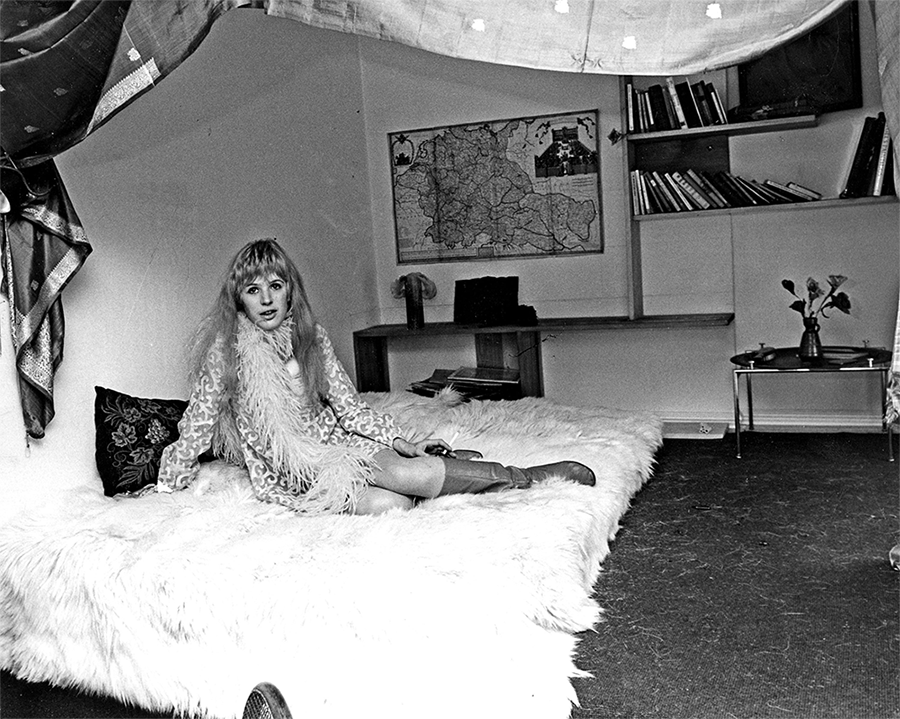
412, 476
428, 477
377, 500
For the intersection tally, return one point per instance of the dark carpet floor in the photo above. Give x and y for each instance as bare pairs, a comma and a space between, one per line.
736, 589
753, 587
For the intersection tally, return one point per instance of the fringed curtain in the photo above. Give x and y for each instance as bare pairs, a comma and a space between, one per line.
67, 67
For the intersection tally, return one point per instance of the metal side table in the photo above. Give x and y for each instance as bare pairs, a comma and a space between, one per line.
785, 360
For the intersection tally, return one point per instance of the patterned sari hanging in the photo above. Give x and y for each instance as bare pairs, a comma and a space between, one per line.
43, 246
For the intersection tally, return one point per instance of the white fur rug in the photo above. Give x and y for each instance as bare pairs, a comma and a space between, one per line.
463, 607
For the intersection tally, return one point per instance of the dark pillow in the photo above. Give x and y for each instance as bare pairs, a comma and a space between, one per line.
131, 435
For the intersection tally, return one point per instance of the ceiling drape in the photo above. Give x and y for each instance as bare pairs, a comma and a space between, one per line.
67, 66
618, 37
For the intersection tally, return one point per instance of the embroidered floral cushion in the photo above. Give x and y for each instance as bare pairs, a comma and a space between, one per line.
131, 435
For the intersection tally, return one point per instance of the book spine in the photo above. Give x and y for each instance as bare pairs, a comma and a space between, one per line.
706, 88
703, 108
731, 197
629, 105
651, 116
761, 197
811, 194
656, 95
747, 199
676, 103
698, 188
769, 195
786, 191
670, 110
872, 159
881, 164
661, 197
708, 192
673, 201
643, 203
657, 204
685, 203
714, 189
688, 106
717, 101
635, 194
712, 193
888, 187
646, 120
645, 197
697, 200
857, 167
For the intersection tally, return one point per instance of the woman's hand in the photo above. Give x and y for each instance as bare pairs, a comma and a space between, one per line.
422, 448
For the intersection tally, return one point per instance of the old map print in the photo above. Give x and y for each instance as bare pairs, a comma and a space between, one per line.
502, 189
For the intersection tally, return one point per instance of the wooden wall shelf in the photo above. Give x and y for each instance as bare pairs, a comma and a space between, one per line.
779, 124
791, 206
370, 345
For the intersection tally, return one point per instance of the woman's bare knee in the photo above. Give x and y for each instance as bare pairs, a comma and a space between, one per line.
378, 500
414, 476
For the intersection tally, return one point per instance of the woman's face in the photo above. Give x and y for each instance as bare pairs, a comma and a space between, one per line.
265, 302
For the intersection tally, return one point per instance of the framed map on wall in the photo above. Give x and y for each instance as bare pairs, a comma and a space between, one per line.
504, 189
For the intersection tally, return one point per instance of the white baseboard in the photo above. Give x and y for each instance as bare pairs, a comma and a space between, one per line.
697, 429
708, 427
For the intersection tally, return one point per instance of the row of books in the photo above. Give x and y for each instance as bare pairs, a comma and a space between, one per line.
472, 383
690, 190
872, 170
674, 106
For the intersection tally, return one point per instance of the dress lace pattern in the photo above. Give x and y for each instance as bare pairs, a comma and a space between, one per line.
344, 420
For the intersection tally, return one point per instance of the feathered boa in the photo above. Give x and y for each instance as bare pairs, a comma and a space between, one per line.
271, 415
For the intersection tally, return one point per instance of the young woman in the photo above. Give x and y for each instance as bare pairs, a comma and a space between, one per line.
270, 395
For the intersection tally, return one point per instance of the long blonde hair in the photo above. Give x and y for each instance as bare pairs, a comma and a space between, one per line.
260, 258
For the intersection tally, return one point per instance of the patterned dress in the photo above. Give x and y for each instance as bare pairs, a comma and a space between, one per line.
344, 419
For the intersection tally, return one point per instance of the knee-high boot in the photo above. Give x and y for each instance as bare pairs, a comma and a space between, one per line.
465, 477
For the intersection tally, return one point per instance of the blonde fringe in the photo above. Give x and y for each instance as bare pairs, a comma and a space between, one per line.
330, 478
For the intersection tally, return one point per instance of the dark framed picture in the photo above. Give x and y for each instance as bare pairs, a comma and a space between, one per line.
500, 189
818, 70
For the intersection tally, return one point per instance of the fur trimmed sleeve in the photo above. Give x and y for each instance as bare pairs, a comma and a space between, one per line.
352, 412
179, 462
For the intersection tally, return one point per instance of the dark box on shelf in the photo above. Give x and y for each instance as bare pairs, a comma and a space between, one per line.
486, 301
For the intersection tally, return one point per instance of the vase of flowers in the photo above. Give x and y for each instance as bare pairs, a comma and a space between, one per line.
810, 343
415, 287
814, 306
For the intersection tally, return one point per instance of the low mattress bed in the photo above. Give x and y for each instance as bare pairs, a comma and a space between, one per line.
467, 605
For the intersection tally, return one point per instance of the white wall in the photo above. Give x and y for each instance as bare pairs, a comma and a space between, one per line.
705, 264
259, 133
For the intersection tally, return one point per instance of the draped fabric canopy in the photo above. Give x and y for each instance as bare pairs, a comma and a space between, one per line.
617, 37
67, 66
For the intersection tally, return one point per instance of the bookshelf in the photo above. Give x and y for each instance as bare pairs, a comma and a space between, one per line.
707, 150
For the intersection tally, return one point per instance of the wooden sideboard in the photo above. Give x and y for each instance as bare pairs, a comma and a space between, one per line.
370, 345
